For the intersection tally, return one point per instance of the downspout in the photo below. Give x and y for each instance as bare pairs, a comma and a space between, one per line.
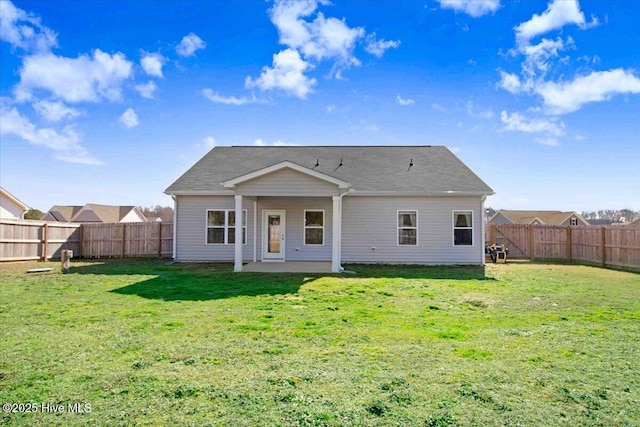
175, 226
484, 226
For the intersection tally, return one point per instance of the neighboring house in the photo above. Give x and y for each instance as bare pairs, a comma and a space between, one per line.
10, 206
94, 213
61, 213
630, 224
409, 204
537, 218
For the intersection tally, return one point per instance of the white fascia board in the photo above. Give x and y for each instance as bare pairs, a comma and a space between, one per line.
200, 193
282, 165
420, 193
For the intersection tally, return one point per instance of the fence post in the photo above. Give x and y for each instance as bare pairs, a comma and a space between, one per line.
570, 244
603, 247
159, 239
124, 238
532, 245
80, 238
44, 241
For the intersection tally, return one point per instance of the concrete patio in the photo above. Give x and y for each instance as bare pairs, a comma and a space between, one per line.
289, 267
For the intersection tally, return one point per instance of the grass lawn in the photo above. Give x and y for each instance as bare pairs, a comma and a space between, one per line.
193, 344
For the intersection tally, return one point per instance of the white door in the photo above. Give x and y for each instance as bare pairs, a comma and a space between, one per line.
273, 235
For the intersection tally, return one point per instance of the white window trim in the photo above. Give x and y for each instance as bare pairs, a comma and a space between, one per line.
453, 228
573, 222
410, 228
304, 227
226, 227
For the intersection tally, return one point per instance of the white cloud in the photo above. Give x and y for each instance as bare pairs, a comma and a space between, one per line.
24, 30
74, 79
403, 101
517, 122
320, 39
548, 140
189, 45
475, 8
65, 144
129, 118
563, 98
229, 100
330, 108
438, 107
209, 142
510, 82
54, 111
488, 114
260, 143
558, 14
287, 74
371, 127
379, 47
146, 90
152, 64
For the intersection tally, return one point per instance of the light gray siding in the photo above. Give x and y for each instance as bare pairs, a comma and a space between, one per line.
367, 222
192, 229
287, 182
295, 249
371, 222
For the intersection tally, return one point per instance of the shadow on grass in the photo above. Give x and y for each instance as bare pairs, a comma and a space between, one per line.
211, 281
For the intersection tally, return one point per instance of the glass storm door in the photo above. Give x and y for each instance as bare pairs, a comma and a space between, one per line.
273, 236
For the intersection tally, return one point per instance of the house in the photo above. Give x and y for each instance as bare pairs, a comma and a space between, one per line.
537, 218
10, 206
355, 204
94, 213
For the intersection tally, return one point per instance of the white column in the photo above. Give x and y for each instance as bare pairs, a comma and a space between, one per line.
337, 238
255, 228
237, 266
175, 226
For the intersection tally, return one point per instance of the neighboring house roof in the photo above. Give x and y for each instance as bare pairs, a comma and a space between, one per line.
91, 212
544, 217
365, 169
19, 205
61, 213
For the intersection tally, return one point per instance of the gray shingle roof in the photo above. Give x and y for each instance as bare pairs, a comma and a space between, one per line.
379, 169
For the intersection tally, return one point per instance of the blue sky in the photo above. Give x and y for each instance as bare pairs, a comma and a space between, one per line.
109, 102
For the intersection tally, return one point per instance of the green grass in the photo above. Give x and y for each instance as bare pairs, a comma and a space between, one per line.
147, 344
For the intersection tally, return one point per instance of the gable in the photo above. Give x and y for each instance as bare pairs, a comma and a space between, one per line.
287, 182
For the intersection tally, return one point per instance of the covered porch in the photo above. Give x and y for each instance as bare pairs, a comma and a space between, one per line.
294, 229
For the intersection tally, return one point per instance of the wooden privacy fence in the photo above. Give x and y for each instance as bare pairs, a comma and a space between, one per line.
615, 247
28, 240
31, 240
136, 239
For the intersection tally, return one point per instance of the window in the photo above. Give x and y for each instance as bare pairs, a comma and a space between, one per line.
408, 228
314, 227
463, 228
573, 221
221, 227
